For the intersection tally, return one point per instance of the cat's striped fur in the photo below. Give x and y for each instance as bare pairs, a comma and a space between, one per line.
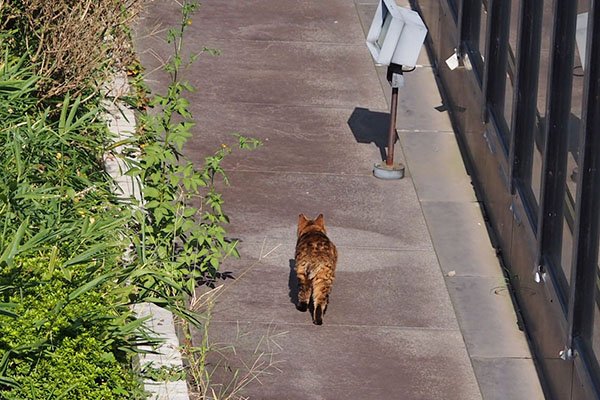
316, 258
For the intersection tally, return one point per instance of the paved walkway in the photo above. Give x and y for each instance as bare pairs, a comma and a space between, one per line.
419, 309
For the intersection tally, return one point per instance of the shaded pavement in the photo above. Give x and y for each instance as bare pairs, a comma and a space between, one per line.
298, 76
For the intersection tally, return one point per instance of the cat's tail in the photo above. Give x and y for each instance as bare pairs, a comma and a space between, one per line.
312, 272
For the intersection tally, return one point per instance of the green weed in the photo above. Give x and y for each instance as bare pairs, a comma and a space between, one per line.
180, 223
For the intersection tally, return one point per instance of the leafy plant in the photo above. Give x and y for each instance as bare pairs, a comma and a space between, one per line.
181, 234
65, 291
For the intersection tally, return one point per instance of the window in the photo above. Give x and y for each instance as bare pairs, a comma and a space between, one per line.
473, 34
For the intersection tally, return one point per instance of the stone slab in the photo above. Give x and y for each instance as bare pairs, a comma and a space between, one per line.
420, 106
335, 362
436, 166
306, 21
508, 378
487, 317
371, 288
295, 139
461, 239
285, 73
359, 211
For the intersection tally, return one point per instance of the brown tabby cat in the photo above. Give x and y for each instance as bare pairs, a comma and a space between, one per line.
316, 257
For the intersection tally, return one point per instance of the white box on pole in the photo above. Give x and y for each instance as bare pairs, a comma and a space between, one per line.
396, 35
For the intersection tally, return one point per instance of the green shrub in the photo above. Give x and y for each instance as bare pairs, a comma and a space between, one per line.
59, 347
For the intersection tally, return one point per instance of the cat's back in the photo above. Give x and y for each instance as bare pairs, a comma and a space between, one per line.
316, 246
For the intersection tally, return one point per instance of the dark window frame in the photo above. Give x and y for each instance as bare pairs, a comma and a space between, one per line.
469, 27
554, 158
494, 77
524, 123
584, 276
455, 6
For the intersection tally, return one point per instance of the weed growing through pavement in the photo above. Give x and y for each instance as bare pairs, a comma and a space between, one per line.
216, 371
180, 223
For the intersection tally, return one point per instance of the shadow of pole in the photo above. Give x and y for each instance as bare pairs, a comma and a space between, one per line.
371, 127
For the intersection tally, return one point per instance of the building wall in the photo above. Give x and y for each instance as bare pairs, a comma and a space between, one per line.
526, 110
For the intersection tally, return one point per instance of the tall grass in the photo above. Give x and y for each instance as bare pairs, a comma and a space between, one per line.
61, 279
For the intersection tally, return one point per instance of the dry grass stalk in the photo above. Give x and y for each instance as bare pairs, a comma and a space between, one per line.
223, 356
73, 43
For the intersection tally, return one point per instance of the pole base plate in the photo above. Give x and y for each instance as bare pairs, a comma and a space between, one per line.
384, 171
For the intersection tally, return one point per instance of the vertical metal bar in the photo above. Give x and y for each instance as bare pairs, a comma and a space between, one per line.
389, 160
587, 223
455, 8
463, 18
525, 93
558, 108
494, 76
469, 16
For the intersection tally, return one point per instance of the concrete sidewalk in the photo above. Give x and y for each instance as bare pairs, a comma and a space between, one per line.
419, 309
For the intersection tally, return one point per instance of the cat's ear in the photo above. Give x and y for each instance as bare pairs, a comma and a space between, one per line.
320, 221
302, 219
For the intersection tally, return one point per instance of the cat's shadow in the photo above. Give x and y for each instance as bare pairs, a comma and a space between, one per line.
293, 283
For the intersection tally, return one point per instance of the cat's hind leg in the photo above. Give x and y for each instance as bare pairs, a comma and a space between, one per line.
304, 287
321, 290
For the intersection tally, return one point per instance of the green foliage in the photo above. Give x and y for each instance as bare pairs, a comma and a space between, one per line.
57, 347
164, 373
182, 235
66, 327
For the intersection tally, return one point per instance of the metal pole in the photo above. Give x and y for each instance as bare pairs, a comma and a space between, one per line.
389, 170
389, 160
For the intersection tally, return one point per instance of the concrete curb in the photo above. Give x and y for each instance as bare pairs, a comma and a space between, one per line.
121, 122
